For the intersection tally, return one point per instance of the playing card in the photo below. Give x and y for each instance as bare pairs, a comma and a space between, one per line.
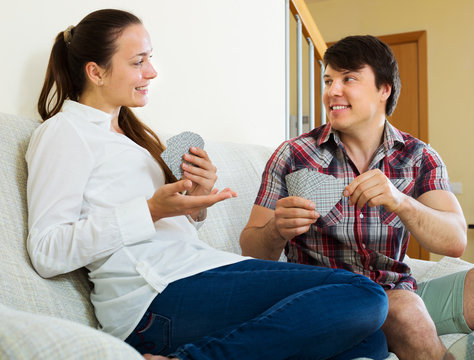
176, 147
324, 190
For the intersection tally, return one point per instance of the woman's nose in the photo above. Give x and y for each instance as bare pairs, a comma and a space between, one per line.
150, 72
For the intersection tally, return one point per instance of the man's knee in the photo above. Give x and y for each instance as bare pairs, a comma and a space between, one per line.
408, 317
468, 299
409, 327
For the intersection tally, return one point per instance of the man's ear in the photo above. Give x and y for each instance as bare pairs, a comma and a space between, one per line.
95, 73
386, 91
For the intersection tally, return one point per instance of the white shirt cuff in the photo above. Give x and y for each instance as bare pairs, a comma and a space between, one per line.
134, 221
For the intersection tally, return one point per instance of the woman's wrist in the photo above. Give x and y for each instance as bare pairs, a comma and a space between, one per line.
154, 215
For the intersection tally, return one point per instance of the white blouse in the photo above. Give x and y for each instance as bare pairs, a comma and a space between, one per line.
87, 192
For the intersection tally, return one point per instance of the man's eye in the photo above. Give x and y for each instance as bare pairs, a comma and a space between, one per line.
327, 82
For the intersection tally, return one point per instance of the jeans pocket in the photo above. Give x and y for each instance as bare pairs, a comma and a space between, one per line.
152, 334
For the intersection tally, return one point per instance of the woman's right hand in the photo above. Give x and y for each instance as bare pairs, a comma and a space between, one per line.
169, 201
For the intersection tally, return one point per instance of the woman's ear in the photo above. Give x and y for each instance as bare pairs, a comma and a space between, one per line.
95, 73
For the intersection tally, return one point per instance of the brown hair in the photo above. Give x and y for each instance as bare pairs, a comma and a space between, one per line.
93, 39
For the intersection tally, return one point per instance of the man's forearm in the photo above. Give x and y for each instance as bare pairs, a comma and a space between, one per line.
441, 232
262, 242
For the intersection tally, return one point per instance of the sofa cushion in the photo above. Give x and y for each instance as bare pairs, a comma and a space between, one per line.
31, 336
66, 296
240, 167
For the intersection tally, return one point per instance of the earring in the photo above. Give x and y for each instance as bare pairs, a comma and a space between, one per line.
100, 83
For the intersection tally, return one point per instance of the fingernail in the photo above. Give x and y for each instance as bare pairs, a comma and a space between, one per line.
346, 193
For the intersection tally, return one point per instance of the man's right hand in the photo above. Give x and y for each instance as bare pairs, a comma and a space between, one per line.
294, 216
268, 231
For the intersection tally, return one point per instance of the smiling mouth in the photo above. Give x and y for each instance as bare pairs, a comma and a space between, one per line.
141, 88
340, 107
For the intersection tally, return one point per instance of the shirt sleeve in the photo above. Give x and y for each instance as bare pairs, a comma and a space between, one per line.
60, 238
432, 173
273, 185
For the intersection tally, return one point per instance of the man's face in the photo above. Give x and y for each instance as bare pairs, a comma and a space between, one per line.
352, 100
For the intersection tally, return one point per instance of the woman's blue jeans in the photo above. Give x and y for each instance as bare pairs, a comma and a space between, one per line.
259, 309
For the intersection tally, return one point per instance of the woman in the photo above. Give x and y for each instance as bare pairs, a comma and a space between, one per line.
100, 196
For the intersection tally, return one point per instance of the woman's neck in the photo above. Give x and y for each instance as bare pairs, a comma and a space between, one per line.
95, 101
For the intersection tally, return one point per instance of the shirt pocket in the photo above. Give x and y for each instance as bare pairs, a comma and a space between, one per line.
390, 218
333, 217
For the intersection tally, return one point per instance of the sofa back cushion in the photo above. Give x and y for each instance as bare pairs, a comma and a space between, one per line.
239, 167
66, 296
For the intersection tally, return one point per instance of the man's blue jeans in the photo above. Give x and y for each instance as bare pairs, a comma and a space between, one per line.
262, 310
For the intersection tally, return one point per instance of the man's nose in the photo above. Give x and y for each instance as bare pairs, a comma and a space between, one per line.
334, 89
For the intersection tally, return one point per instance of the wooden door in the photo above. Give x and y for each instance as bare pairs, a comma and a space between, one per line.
411, 113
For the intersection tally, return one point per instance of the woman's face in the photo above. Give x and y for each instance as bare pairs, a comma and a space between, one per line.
126, 82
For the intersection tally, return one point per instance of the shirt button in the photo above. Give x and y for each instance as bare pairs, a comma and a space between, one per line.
363, 245
371, 267
361, 215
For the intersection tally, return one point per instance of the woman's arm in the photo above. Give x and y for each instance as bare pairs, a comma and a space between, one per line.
61, 239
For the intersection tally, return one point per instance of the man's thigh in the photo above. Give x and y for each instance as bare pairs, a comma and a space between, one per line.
443, 298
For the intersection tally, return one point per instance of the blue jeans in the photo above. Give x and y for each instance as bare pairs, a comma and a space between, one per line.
259, 309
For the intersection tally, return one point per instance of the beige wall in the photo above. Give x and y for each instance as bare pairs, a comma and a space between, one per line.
450, 32
220, 64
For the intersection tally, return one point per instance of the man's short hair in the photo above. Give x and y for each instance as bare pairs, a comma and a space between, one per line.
354, 52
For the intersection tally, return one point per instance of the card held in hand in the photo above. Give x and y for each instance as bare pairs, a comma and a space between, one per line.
176, 147
324, 190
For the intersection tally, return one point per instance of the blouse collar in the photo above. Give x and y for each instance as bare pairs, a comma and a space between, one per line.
88, 113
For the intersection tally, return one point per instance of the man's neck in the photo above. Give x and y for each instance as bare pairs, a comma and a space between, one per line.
361, 146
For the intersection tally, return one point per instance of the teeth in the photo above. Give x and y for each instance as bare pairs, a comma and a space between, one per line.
340, 107
141, 88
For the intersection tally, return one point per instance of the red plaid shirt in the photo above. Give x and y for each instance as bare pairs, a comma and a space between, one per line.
368, 241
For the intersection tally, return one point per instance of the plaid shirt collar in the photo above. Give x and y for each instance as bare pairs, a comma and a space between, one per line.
391, 136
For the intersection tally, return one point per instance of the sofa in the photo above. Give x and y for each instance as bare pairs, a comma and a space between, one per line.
53, 318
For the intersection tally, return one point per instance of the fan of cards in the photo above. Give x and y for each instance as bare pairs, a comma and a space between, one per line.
176, 147
324, 190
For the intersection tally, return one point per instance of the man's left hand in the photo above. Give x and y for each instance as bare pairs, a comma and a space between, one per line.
374, 188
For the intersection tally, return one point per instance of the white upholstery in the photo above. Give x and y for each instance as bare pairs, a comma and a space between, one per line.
53, 318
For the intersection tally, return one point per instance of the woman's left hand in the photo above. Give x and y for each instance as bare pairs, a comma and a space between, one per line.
203, 174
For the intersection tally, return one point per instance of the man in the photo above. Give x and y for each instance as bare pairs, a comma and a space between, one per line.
386, 185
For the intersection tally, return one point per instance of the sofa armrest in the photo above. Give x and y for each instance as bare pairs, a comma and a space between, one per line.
26, 335
424, 270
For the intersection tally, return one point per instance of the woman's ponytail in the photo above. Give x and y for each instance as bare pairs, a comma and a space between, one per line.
57, 85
